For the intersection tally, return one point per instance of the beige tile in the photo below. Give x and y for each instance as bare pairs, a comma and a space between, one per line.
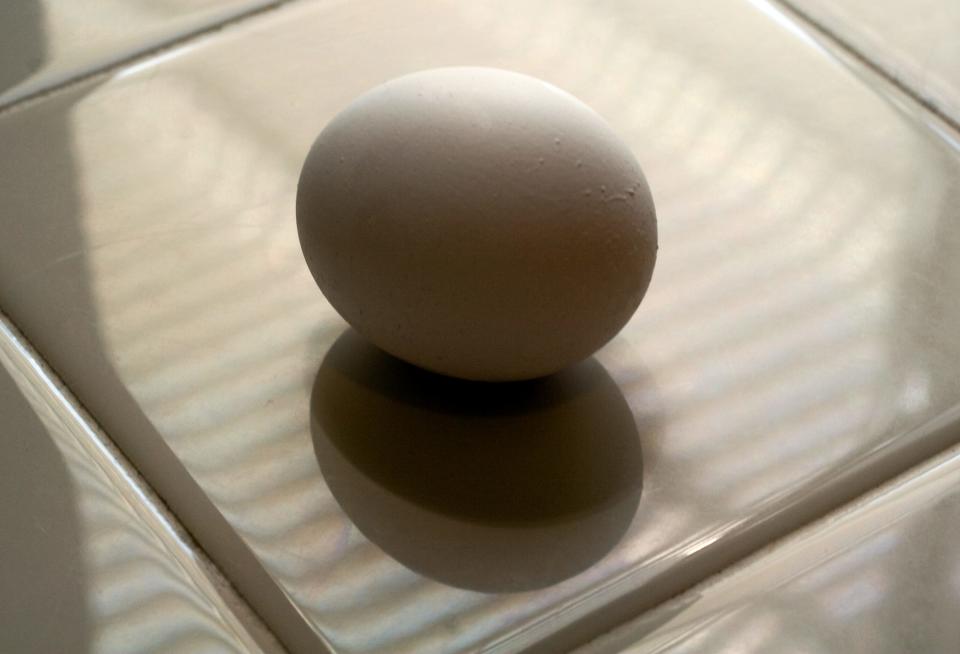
883, 576
89, 561
796, 346
916, 42
44, 43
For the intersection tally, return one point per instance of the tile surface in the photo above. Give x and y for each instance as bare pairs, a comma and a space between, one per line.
882, 577
794, 349
86, 563
917, 42
47, 42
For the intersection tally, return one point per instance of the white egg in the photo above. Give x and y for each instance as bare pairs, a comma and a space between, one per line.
478, 223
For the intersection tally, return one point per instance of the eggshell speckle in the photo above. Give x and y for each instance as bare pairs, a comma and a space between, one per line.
477, 222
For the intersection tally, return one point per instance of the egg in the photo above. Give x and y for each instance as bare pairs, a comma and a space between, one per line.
478, 223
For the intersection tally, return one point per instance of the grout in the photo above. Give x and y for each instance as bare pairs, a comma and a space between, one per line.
121, 470
636, 630
855, 485
808, 22
108, 68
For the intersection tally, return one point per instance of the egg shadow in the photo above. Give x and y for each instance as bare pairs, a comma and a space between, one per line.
492, 487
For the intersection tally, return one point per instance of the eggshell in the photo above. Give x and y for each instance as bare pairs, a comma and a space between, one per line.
477, 222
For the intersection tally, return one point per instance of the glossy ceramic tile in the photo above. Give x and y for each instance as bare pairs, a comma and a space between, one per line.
917, 42
797, 344
47, 42
882, 577
87, 561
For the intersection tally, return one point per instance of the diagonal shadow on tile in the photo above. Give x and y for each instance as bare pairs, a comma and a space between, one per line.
43, 606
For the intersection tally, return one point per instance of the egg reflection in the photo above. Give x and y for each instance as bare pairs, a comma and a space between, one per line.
490, 487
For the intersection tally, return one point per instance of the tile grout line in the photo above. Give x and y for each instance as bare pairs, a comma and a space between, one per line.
622, 635
809, 23
165, 46
857, 485
123, 470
